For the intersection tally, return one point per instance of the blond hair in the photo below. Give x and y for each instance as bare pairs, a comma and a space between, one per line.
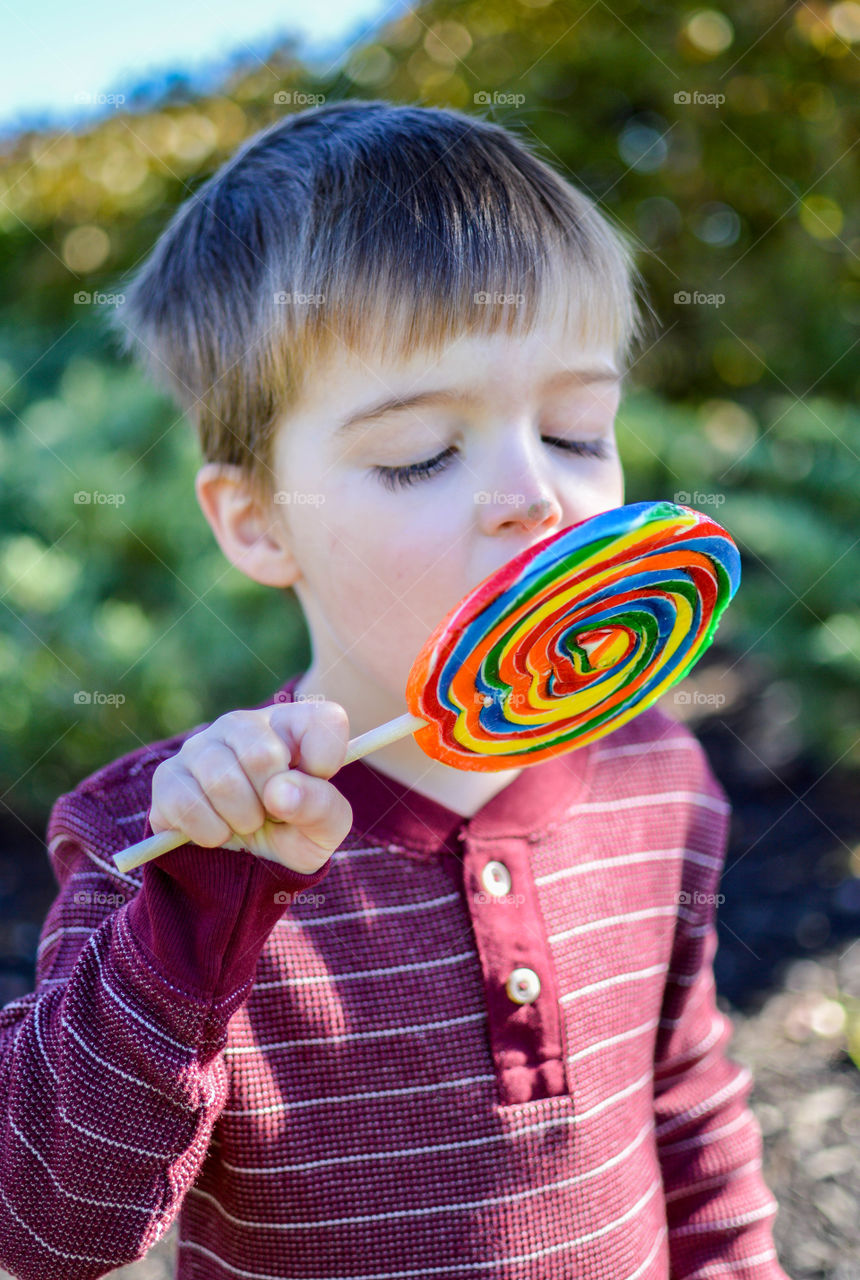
378, 226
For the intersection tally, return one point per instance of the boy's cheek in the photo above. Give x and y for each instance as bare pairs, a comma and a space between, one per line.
401, 601
389, 553
387, 604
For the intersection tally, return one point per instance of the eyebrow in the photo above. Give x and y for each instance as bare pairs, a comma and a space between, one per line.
447, 395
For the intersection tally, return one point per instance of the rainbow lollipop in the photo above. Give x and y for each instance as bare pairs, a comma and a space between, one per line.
566, 642
574, 637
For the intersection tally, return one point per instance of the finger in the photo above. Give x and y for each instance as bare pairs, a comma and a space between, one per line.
179, 804
321, 815
230, 793
261, 752
317, 734
278, 842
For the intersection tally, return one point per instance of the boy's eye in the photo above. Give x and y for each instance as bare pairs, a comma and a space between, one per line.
393, 477
396, 477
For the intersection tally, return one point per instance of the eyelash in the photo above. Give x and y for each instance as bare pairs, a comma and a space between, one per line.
401, 477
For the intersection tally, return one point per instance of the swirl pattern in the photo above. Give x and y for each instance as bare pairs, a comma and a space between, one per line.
573, 637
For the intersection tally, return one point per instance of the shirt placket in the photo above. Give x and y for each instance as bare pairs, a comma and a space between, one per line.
525, 1024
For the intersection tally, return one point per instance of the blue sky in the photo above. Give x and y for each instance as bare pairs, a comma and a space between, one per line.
58, 57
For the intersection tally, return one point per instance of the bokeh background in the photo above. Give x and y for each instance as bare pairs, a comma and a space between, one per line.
725, 142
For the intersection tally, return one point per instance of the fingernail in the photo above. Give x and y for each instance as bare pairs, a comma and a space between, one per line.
287, 796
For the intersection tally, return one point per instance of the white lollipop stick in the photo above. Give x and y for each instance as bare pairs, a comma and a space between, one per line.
145, 850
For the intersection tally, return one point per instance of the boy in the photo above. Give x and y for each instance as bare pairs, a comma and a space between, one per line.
422, 1022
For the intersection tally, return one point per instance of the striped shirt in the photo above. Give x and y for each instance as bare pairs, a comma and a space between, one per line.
482, 1047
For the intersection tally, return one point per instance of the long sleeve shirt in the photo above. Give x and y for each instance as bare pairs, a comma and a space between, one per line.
471, 1047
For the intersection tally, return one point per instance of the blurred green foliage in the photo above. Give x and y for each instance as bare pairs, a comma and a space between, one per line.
746, 403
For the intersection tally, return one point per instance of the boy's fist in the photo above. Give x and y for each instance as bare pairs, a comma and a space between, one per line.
228, 785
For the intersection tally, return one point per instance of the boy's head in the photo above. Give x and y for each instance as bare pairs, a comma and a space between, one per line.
363, 252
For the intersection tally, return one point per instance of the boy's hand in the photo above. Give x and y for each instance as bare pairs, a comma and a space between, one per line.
224, 785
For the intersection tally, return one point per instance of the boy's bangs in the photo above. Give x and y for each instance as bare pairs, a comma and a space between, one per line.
391, 318
390, 315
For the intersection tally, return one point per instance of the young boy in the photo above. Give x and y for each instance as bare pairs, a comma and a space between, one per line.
417, 1021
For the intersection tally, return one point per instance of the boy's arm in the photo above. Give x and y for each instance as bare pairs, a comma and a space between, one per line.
719, 1210
111, 1072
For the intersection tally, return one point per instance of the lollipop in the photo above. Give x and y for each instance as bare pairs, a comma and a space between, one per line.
573, 637
566, 642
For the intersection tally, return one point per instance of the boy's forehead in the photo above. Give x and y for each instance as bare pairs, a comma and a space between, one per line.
476, 364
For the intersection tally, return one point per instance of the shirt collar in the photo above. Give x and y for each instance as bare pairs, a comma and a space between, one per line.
387, 811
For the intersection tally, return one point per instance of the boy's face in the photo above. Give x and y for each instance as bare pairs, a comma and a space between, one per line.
378, 558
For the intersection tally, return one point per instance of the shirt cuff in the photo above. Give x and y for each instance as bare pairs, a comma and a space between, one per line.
203, 915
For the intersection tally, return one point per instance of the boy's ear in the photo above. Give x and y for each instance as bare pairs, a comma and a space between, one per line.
244, 526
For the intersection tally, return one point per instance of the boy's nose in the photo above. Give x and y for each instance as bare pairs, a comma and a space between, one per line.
537, 512
522, 508
520, 493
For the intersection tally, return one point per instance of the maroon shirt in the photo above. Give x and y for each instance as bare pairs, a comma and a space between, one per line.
464, 1047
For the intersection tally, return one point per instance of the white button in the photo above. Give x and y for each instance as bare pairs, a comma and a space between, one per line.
496, 879
523, 986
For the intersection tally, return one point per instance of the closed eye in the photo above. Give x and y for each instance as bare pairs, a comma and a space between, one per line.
400, 477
